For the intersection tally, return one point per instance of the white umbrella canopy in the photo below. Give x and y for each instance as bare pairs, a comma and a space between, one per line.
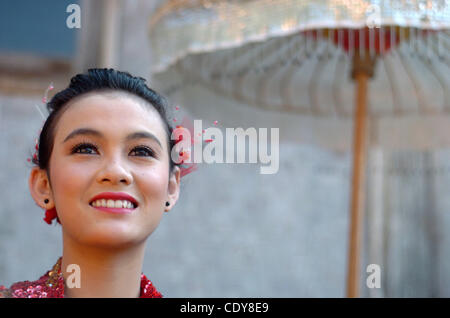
335, 73
306, 92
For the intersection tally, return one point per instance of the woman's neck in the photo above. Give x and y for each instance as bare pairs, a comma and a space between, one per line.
103, 272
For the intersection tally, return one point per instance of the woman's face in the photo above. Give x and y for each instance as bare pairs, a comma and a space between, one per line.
110, 162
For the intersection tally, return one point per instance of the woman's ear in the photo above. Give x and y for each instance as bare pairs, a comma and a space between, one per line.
40, 188
173, 188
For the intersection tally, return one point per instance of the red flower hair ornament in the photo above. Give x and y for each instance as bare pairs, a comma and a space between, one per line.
184, 154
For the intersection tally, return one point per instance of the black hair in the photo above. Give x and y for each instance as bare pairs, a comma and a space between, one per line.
98, 80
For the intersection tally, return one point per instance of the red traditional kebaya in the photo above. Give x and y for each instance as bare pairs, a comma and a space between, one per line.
51, 285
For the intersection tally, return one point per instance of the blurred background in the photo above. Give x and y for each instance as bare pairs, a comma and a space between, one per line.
305, 67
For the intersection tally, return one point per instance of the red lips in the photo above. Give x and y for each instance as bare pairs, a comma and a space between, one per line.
115, 196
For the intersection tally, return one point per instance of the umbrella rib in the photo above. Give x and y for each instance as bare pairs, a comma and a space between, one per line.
392, 84
287, 102
437, 75
235, 59
337, 85
284, 65
262, 87
264, 80
441, 78
335, 54
238, 82
312, 91
417, 90
446, 36
446, 57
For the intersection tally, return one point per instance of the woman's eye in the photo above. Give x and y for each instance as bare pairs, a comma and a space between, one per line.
87, 148
82, 147
143, 151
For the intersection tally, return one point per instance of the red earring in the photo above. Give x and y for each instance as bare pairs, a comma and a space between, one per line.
50, 214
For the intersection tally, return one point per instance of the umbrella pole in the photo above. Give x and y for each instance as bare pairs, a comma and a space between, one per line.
362, 71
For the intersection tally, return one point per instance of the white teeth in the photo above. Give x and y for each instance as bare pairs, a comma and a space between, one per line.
118, 204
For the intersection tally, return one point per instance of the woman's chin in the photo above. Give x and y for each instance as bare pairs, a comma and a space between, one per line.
108, 230
110, 236
106, 241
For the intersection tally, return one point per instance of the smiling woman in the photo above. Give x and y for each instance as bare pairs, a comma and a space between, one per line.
104, 171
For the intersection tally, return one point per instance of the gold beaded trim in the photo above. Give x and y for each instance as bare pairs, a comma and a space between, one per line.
54, 274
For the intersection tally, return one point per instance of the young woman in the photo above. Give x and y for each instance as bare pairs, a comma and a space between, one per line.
104, 171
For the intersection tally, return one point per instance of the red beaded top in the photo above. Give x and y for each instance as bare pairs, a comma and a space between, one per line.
51, 285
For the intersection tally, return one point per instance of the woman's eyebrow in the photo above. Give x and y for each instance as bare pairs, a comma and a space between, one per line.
96, 133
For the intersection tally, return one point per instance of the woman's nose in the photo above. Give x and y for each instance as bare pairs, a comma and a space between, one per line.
115, 172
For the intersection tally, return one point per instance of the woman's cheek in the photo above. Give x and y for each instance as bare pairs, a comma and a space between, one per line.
72, 176
70, 181
154, 182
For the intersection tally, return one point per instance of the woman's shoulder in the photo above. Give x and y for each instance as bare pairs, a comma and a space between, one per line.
27, 289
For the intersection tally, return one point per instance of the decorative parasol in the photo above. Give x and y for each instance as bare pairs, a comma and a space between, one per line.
292, 58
